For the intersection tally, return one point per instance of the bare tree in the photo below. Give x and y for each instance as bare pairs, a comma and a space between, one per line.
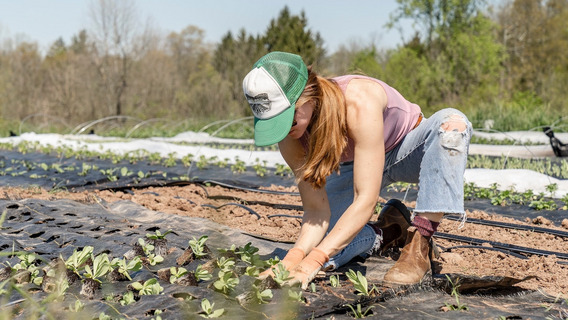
117, 40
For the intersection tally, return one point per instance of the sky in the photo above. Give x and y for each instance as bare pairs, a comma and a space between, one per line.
338, 22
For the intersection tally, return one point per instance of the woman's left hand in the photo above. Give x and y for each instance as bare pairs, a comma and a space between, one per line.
307, 270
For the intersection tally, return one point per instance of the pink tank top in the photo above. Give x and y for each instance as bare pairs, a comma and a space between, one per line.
399, 118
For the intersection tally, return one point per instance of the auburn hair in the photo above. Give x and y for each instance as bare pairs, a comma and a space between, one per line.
327, 129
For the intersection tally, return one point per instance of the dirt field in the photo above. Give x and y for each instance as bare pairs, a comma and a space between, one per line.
220, 205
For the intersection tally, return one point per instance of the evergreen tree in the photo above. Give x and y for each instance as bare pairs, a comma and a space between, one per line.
290, 33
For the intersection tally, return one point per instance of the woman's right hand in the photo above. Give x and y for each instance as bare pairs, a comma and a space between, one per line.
290, 261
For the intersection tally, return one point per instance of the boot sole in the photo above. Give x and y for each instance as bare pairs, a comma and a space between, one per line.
425, 279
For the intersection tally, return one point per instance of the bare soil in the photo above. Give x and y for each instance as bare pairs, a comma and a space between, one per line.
199, 201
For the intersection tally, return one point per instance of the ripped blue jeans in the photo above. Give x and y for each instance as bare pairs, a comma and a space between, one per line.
430, 155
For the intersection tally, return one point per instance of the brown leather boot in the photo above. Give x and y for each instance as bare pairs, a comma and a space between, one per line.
393, 221
414, 261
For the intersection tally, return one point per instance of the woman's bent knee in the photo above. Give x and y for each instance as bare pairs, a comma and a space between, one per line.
454, 132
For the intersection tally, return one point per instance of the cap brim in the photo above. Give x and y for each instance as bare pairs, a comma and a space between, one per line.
273, 130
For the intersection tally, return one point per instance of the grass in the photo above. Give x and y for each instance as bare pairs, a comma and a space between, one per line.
524, 114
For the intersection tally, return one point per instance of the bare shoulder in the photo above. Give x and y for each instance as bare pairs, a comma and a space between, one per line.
364, 98
365, 93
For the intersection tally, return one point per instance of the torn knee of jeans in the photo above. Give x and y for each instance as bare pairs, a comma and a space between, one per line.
453, 134
455, 122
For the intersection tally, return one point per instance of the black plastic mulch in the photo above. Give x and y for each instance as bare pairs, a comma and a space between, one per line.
17, 169
24, 170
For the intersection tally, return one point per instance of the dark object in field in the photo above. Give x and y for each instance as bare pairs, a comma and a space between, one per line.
187, 279
160, 246
89, 288
560, 149
5, 273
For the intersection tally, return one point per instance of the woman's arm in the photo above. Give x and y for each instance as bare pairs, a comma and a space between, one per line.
366, 101
315, 204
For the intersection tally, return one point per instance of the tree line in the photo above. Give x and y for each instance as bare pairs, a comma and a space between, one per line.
494, 63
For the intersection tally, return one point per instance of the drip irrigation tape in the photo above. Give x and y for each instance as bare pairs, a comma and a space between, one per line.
233, 204
261, 203
188, 200
152, 193
231, 186
506, 246
284, 216
258, 236
508, 252
508, 225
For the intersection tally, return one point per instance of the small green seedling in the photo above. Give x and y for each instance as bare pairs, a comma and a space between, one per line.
202, 274
176, 273
27, 263
101, 266
357, 311
157, 314
239, 166
198, 246
78, 259
264, 296
226, 283
458, 306
154, 259
359, 282
252, 271
157, 235
208, 311
77, 306
147, 247
281, 275
248, 254
334, 281
124, 172
226, 264
259, 168
125, 267
149, 287
127, 298
296, 295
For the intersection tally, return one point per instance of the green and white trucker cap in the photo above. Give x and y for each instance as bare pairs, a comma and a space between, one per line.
272, 88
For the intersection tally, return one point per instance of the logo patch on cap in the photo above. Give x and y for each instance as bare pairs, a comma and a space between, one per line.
259, 103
